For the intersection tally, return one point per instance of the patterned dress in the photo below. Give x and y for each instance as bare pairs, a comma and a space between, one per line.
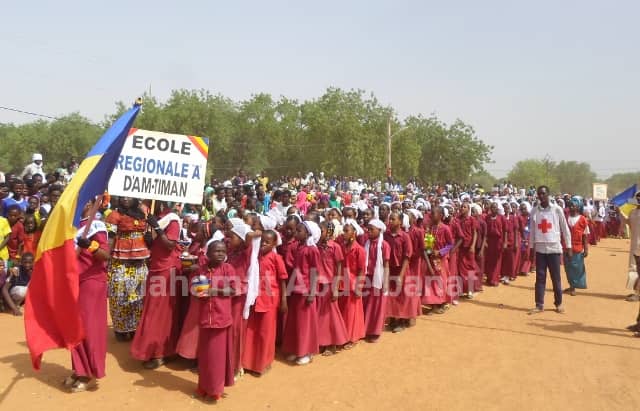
127, 271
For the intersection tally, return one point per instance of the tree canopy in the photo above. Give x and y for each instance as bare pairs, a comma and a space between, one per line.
341, 132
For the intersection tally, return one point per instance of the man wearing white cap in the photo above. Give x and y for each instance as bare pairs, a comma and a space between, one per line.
35, 167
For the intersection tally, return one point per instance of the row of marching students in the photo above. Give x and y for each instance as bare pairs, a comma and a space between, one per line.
317, 291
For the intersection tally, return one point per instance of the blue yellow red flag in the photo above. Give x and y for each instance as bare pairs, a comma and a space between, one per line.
626, 201
52, 315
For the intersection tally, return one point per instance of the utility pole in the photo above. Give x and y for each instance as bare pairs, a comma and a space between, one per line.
389, 147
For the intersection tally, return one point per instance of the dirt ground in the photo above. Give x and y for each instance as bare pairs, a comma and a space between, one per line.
484, 354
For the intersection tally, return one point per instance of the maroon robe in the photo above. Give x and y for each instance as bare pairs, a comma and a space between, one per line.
509, 253
331, 327
467, 265
260, 336
89, 357
374, 301
300, 336
525, 253
402, 300
480, 251
351, 304
215, 341
493, 256
158, 330
435, 287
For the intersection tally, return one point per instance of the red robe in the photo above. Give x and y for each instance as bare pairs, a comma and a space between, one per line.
215, 341
260, 337
158, 329
467, 265
480, 251
374, 302
525, 253
509, 254
351, 304
436, 285
403, 301
240, 261
493, 256
89, 357
331, 327
300, 335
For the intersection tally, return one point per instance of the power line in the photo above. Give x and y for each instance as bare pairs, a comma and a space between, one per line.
30, 113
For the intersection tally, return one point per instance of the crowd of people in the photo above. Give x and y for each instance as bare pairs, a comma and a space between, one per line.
306, 265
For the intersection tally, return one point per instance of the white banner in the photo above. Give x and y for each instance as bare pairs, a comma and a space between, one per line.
599, 191
161, 166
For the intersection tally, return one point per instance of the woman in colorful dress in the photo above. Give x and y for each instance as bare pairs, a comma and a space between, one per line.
128, 266
574, 266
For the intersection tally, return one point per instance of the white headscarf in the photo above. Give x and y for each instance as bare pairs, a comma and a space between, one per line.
355, 225
378, 271
416, 214
314, 231
269, 223
406, 224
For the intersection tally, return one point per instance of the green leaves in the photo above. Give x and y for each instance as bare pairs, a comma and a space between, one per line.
341, 132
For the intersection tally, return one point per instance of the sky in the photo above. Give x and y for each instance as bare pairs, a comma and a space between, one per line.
534, 79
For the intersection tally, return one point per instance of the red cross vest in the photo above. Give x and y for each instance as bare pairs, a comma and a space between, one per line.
546, 226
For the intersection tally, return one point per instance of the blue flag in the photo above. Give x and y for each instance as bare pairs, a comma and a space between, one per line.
625, 197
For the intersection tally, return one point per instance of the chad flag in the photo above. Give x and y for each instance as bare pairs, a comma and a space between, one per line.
626, 201
52, 317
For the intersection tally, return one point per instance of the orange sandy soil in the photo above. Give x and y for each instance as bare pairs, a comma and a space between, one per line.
484, 354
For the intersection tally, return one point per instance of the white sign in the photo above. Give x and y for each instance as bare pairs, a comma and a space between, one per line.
161, 166
599, 191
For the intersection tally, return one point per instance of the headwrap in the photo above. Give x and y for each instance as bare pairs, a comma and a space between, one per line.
337, 228
268, 223
355, 225
416, 214
577, 201
314, 233
477, 208
378, 271
527, 205
240, 229
164, 221
217, 236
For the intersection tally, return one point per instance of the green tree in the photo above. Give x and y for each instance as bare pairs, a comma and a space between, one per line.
574, 177
534, 172
621, 181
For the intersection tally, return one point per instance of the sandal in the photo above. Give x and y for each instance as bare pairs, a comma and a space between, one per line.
83, 384
348, 346
153, 363
70, 381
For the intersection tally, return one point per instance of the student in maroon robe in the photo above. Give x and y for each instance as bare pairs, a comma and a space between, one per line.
481, 242
350, 299
508, 251
215, 341
260, 337
300, 338
240, 237
376, 288
158, 331
89, 357
332, 331
518, 232
467, 265
417, 264
496, 232
435, 293
400, 307
287, 252
525, 261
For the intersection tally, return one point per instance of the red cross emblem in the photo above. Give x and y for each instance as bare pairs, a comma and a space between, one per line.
544, 226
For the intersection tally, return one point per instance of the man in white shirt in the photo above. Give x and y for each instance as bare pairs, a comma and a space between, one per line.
548, 226
219, 201
35, 167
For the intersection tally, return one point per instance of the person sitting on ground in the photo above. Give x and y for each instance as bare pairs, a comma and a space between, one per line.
14, 289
